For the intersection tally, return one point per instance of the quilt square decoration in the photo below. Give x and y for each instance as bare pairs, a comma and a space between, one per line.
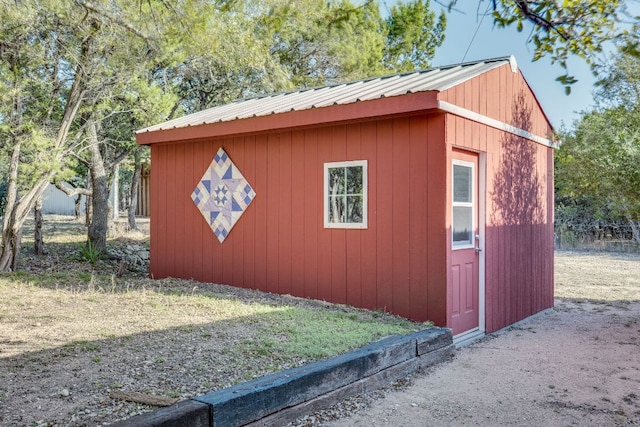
222, 195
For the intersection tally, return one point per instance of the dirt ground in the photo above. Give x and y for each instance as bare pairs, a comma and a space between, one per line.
575, 365
83, 345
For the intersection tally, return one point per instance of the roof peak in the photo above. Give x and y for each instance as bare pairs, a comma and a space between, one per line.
511, 59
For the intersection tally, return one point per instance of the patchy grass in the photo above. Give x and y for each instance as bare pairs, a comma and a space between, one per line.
597, 276
71, 332
76, 307
312, 334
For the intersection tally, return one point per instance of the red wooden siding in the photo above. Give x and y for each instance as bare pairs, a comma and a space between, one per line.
437, 258
519, 220
280, 244
497, 94
400, 262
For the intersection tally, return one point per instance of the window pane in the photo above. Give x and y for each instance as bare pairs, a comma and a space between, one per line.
462, 225
354, 179
354, 209
336, 181
337, 209
345, 195
462, 184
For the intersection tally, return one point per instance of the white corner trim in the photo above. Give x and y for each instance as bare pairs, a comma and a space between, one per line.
513, 64
497, 124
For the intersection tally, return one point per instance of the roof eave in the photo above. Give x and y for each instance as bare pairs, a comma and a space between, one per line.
361, 110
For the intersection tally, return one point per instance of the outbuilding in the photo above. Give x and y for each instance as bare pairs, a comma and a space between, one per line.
426, 194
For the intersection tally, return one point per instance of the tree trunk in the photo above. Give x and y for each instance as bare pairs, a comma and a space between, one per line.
135, 183
114, 206
635, 229
17, 211
10, 239
11, 243
38, 242
88, 204
78, 205
100, 199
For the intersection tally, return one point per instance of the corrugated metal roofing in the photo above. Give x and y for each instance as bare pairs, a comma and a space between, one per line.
433, 79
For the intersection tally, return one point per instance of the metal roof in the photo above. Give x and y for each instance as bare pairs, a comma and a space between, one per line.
433, 79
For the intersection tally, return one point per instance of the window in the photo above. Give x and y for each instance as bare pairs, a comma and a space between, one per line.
345, 194
462, 222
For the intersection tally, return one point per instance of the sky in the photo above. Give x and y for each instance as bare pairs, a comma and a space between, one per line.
492, 42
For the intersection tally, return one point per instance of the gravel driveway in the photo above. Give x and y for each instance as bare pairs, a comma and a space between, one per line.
577, 364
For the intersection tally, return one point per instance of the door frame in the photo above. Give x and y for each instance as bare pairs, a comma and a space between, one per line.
468, 337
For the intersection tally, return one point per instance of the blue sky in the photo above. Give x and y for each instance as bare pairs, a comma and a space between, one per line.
491, 42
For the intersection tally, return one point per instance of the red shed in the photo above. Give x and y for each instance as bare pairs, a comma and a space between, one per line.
426, 194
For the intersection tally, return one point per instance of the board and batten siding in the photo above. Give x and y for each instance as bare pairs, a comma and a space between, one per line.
280, 245
519, 241
502, 95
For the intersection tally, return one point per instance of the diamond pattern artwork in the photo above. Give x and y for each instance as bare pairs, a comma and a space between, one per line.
222, 195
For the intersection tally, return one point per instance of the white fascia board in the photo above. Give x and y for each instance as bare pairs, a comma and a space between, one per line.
497, 124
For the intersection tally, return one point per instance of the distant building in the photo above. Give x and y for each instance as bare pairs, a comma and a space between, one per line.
56, 202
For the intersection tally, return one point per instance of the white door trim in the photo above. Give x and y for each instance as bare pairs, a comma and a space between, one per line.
482, 221
471, 335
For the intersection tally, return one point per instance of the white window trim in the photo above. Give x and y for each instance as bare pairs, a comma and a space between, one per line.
365, 190
464, 204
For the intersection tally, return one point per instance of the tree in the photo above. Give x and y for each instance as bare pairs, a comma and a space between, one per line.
269, 46
227, 59
34, 118
598, 163
60, 60
135, 182
619, 84
413, 34
77, 77
320, 42
569, 28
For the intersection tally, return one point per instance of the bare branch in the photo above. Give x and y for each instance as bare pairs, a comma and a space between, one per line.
116, 20
537, 19
117, 160
73, 191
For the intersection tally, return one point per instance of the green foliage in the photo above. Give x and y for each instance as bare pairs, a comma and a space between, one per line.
602, 159
89, 253
68, 67
28, 99
572, 27
562, 29
317, 42
597, 164
581, 221
38, 156
619, 83
413, 35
